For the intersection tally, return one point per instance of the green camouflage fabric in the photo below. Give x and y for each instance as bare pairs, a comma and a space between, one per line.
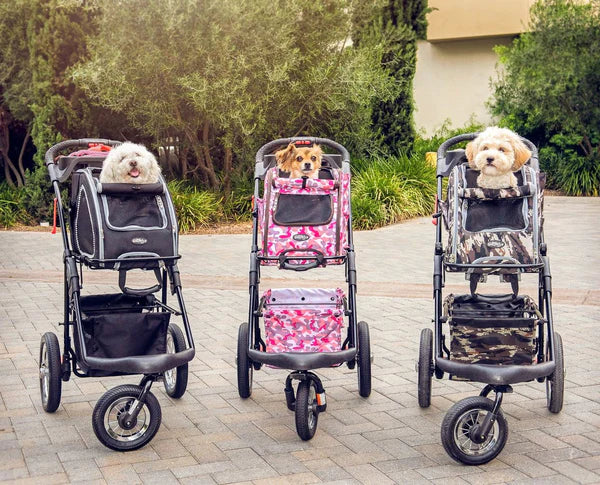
465, 247
472, 342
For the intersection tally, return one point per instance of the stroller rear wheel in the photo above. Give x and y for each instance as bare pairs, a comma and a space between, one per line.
50, 372
364, 360
459, 431
307, 412
118, 435
175, 380
244, 365
424, 367
555, 383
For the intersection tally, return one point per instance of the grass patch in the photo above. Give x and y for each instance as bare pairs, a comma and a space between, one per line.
12, 207
194, 208
386, 190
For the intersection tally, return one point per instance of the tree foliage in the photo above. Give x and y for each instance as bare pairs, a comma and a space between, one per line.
549, 89
395, 25
220, 77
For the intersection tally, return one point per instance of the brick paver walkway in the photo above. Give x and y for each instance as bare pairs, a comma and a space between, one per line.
213, 436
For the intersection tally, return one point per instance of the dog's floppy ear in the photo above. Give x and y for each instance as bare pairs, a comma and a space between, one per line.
470, 151
285, 156
317, 150
522, 154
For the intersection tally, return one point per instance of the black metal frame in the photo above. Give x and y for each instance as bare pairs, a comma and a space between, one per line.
494, 375
83, 365
299, 361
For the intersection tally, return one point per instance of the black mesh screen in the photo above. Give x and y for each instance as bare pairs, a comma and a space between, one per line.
138, 210
492, 214
300, 210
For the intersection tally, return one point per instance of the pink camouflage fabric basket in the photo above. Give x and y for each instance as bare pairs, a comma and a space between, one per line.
309, 214
303, 319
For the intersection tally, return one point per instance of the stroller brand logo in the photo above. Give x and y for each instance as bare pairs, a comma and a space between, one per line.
139, 240
300, 237
495, 244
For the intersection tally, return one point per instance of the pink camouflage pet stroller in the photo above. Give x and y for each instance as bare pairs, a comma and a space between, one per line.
298, 225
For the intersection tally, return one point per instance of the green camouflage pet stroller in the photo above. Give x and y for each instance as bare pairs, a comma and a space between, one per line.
498, 340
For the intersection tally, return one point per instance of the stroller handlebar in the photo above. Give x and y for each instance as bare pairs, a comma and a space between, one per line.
62, 173
269, 147
445, 166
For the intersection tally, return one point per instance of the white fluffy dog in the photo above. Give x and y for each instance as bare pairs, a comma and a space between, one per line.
497, 153
129, 163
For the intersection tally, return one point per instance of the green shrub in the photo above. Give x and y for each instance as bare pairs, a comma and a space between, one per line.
12, 209
388, 190
194, 208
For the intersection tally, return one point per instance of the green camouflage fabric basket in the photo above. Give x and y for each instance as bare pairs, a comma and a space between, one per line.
502, 334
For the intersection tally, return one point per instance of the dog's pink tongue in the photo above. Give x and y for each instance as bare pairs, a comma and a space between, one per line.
134, 172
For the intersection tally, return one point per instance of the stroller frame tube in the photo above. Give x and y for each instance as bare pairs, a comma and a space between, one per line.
490, 374
152, 364
299, 360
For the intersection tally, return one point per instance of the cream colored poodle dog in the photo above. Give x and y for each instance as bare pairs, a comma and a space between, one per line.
497, 153
129, 163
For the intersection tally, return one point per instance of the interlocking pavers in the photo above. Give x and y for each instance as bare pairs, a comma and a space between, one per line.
212, 436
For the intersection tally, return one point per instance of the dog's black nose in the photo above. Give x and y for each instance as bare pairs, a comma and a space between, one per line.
490, 160
133, 163
307, 166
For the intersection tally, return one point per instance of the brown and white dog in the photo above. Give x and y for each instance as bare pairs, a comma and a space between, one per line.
300, 162
129, 163
497, 153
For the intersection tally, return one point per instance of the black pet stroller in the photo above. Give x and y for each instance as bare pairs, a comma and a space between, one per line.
498, 340
300, 224
118, 227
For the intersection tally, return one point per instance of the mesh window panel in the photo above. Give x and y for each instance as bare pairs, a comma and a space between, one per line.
303, 210
492, 214
138, 210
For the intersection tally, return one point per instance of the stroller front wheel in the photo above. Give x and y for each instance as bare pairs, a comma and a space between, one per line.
112, 432
176, 379
50, 372
459, 431
307, 412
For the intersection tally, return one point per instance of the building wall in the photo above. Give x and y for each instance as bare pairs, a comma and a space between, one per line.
452, 82
456, 62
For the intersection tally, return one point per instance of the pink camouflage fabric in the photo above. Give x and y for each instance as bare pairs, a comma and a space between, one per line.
330, 238
303, 319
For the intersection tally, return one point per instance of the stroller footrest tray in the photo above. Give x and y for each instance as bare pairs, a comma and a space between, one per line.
302, 360
141, 364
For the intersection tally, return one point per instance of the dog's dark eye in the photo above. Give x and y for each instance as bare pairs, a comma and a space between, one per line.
501, 149
299, 158
485, 147
313, 158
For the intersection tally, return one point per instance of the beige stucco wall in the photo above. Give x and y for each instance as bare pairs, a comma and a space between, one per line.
462, 19
452, 81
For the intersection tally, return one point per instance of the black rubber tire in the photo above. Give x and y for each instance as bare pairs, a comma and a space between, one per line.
244, 365
424, 367
50, 372
555, 383
364, 360
111, 404
175, 380
456, 423
307, 414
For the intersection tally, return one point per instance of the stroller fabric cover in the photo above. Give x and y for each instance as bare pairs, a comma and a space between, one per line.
303, 319
310, 214
484, 225
121, 221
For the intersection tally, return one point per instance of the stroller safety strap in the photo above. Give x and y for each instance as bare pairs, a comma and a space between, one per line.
139, 291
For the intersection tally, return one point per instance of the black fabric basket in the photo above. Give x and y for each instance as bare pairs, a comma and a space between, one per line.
121, 221
497, 330
117, 325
